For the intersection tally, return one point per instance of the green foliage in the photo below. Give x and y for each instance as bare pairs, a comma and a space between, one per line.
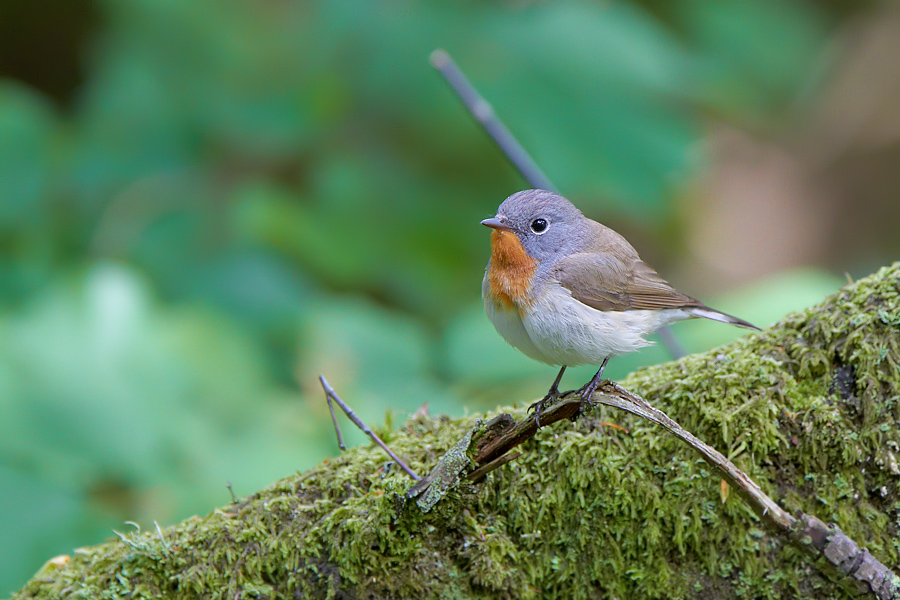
240, 196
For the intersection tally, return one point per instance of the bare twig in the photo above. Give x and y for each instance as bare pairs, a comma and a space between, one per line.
482, 471
806, 531
330, 395
337, 429
484, 113
768, 510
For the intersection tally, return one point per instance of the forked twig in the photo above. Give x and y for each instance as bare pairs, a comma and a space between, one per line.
330, 395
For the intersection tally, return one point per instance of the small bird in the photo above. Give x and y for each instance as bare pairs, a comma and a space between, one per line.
566, 290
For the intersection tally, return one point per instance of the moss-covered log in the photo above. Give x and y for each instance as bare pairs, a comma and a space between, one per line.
809, 408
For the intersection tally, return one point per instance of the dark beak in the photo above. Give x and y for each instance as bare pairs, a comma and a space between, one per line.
496, 223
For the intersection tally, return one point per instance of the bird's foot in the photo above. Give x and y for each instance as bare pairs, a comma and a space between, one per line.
539, 406
586, 392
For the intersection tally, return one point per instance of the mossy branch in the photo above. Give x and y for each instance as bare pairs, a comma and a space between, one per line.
866, 574
809, 409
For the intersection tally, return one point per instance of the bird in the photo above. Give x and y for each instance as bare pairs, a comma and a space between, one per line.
566, 290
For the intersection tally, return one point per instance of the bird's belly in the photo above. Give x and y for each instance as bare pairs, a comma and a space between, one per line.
508, 323
572, 333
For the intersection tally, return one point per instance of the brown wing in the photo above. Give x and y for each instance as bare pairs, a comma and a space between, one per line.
605, 282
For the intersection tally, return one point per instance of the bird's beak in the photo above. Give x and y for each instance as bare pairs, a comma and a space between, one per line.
496, 223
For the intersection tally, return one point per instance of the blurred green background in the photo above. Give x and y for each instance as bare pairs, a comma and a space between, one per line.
205, 204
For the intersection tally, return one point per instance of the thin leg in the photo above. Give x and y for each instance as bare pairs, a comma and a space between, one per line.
552, 395
588, 390
554, 389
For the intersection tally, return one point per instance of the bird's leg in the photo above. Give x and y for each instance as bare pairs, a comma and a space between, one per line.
588, 390
552, 396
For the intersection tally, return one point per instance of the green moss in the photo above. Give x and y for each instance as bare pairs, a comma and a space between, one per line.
809, 408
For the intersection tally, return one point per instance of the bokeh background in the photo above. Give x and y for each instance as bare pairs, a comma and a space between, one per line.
205, 204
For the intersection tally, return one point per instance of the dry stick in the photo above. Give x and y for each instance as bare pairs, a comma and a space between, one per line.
482, 471
805, 531
330, 395
337, 429
484, 113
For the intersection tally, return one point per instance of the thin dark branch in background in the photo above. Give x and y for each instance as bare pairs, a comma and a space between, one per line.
484, 113
671, 342
330, 395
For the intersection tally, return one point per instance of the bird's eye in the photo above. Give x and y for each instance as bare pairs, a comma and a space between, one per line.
539, 225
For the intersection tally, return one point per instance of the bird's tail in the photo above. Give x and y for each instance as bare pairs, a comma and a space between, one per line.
715, 315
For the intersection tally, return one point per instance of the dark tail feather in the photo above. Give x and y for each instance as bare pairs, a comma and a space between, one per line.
715, 315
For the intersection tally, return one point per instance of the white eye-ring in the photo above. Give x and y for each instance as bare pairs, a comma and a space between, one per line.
539, 225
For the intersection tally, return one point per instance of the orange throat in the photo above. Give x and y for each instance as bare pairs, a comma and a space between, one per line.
510, 270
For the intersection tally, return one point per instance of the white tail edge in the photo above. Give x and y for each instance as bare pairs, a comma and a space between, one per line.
715, 315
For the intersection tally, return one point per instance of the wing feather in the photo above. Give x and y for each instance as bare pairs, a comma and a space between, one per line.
605, 282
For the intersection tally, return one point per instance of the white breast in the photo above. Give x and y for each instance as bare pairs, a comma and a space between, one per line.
571, 333
508, 323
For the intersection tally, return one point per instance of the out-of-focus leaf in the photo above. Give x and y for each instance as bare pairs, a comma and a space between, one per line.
39, 520
27, 129
755, 54
593, 106
153, 404
376, 360
29, 138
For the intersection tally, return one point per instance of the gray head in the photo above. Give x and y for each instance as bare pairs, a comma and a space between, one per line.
548, 225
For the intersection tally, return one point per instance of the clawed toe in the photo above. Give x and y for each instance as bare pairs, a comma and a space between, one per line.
552, 396
586, 393
588, 390
538, 407
591, 386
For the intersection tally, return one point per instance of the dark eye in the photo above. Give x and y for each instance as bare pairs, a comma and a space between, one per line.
539, 225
